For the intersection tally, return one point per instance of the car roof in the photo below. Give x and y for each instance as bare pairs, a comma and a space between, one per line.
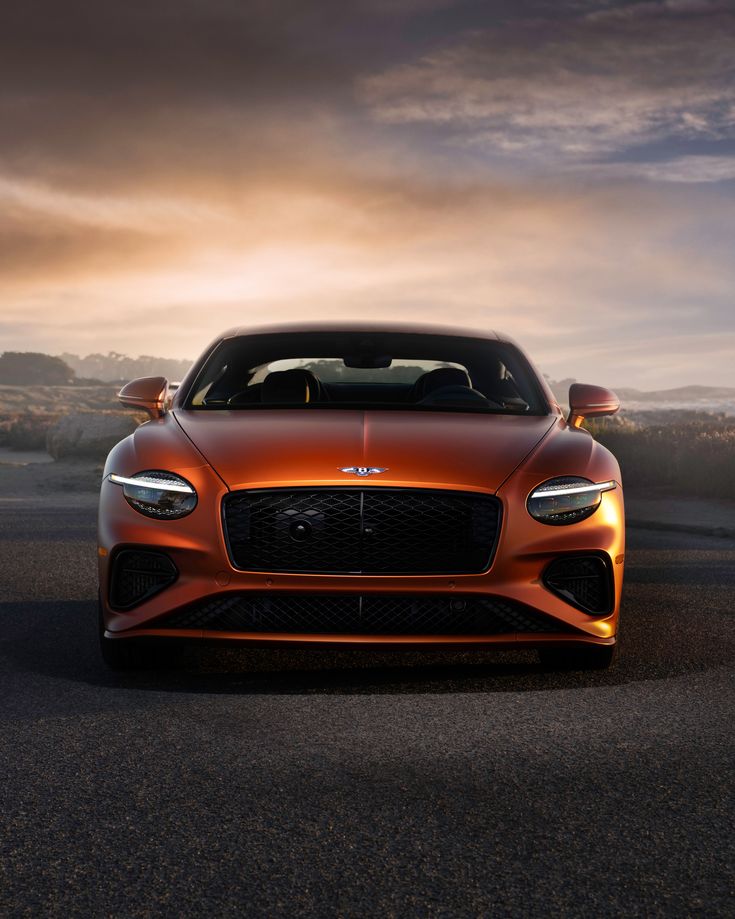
370, 326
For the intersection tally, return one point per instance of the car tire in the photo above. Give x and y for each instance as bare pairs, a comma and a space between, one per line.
590, 657
132, 653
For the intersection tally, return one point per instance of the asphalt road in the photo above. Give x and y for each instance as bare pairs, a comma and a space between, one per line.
307, 783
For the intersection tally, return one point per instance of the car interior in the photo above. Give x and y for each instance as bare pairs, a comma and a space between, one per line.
367, 378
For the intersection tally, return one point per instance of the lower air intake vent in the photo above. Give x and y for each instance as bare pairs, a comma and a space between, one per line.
584, 581
137, 575
353, 614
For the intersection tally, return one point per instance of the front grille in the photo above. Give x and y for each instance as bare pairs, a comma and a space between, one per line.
136, 575
366, 614
582, 580
361, 531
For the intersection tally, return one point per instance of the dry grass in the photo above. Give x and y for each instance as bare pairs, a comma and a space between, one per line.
694, 458
27, 412
26, 432
687, 457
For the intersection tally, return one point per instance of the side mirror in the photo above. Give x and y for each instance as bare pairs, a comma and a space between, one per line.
590, 402
147, 393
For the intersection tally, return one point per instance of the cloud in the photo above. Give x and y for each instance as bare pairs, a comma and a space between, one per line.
168, 170
687, 169
585, 278
654, 8
582, 86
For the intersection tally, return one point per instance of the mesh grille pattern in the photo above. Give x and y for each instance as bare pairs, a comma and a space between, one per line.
583, 580
365, 531
367, 614
137, 575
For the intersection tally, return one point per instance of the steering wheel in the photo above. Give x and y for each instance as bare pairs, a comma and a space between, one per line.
457, 395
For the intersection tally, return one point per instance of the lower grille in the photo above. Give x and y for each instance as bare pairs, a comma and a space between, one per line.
584, 581
136, 575
361, 530
367, 614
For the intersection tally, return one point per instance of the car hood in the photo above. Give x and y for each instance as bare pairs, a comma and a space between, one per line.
287, 447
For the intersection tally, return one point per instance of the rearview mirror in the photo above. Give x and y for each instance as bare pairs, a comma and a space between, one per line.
367, 361
587, 401
147, 393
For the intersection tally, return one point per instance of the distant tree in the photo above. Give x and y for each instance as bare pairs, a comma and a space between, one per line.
120, 367
560, 388
24, 368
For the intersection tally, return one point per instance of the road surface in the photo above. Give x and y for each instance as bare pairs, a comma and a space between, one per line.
255, 783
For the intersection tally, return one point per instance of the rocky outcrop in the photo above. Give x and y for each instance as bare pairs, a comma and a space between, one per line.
90, 434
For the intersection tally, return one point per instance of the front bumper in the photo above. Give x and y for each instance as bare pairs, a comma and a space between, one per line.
196, 546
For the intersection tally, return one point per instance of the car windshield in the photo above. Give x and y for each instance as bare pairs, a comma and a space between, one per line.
314, 370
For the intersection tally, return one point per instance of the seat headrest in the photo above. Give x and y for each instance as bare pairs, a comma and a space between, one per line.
454, 395
505, 392
438, 378
296, 386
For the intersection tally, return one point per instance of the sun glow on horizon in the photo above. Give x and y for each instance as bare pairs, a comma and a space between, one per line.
423, 186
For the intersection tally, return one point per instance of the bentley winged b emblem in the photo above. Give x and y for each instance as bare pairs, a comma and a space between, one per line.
363, 471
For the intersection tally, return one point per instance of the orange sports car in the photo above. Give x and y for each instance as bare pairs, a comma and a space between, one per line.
384, 486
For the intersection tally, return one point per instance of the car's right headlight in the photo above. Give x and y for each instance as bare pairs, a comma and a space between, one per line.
162, 495
567, 499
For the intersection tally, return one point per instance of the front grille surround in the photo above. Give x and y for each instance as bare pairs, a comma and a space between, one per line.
361, 614
375, 530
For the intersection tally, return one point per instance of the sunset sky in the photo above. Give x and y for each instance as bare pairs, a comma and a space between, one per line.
563, 170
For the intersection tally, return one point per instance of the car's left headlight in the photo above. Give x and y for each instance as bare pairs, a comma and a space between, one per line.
567, 499
162, 495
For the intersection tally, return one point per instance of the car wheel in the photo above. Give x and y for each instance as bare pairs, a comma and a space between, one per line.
591, 657
133, 653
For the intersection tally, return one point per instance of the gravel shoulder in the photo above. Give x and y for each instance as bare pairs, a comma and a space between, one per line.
33, 475
683, 514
